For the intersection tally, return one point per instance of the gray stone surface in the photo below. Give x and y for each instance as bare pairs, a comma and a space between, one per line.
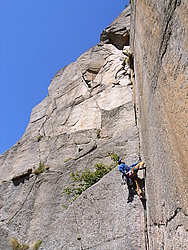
100, 219
118, 31
92, 93
70, 115
159, 35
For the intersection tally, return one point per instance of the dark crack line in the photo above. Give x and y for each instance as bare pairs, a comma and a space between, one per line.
164, 43
146, 236
24, 200
173, 216
79, 237
68, 116
42, 128
179, 225
88, 152
85, 83
135, 114
165, 224
55, 140
39, 152
166, 34
119, 70
38, 119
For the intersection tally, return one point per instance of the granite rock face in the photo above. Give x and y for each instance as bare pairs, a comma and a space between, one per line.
118, 32
93, 110
64, 125
159, 35
87, 115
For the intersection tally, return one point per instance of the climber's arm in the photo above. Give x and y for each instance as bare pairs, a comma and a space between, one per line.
134, 164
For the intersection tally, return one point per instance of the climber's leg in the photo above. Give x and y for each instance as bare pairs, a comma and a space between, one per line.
137, 181
123, 179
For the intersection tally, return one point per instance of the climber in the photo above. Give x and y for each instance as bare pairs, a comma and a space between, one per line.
123, 168
131, 174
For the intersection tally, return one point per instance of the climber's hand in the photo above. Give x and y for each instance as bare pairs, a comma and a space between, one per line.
142, 163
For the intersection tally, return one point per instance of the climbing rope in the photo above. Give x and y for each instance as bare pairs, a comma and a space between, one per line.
140, 224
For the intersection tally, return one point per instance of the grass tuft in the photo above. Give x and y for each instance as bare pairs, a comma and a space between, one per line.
17, 246
98, 133
39, 137
42, 168
36, 245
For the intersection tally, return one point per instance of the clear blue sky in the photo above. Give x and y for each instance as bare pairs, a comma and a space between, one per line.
37, 38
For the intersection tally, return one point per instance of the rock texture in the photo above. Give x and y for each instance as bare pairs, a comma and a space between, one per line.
118, 31
159, 35
87, 115
92, 110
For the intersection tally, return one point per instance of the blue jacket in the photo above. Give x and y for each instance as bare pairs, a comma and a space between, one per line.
123, 168
133, 165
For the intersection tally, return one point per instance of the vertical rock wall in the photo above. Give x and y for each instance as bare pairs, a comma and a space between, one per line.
159, 35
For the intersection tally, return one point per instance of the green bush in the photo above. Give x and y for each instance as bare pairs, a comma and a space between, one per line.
98, 133
36, 245
17, 246
64, 206
115, 158
130, 60
84, 180
39, 137
4, 181
41, 169
68, 159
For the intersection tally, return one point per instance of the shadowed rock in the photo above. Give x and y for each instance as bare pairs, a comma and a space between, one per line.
118, 32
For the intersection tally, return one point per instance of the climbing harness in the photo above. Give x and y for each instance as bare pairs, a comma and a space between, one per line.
130, 173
